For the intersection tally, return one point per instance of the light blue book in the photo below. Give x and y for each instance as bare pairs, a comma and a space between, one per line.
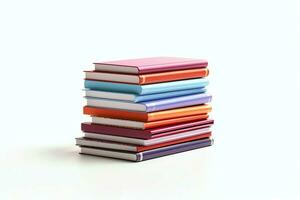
140, 98
146, 89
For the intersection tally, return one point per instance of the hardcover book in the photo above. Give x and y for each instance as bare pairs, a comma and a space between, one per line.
151, 106
88, 142
146, 125
147, 116
147, 142
150, 65
146, 89
147, 78
150, 154
140, 98
148, 133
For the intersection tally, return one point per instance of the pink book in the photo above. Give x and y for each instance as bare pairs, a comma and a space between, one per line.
150, 65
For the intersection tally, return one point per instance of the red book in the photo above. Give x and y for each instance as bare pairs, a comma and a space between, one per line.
147, 133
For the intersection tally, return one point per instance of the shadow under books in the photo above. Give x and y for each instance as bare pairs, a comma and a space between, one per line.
71, 154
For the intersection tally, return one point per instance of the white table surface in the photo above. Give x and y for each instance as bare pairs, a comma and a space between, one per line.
253, 52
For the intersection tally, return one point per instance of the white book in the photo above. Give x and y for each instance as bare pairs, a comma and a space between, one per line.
115, 104
149, 141
103, 76
118, 122
108, 153
115, 68
110, 95
88, 142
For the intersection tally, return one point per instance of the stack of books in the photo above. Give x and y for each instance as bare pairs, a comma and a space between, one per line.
146, 108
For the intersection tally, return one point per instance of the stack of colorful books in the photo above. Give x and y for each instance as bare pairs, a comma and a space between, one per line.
146, 108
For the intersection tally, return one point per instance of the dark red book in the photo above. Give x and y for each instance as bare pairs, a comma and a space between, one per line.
147, 133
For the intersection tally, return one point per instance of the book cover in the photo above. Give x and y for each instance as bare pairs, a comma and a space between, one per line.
148, 133
141, 98
144, 79
146, 89
145, 116
150, 154
150, 65
151, 106
88, 142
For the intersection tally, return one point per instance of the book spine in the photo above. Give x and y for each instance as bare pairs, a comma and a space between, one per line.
142, 79
139, 157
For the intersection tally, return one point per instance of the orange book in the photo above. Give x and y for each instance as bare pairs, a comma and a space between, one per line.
173, 75
147, 78
174, 121
144, 116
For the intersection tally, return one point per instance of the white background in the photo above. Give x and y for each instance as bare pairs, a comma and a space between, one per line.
253, 48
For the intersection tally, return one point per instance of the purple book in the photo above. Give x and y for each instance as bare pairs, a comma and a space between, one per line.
177, 102
150, 154
151, 106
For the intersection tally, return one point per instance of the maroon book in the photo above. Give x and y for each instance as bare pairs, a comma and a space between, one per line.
148, 133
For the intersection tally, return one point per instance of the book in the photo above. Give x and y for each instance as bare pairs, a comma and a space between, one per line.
146, 125
140, 98
150, 65
151, 106
150, 154
147, 133
88, 142
147, 142
147, 116
143, 79
146, 89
